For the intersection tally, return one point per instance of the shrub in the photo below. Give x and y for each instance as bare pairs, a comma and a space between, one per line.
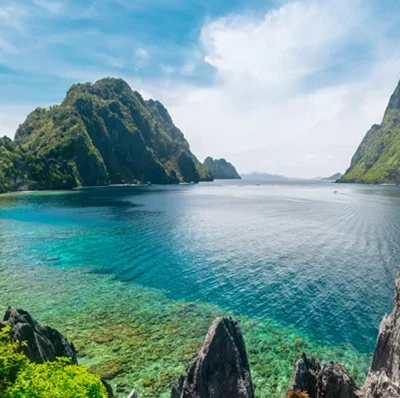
56, 380
20, 378
11, 362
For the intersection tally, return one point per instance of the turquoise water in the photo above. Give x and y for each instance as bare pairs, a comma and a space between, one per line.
293, 260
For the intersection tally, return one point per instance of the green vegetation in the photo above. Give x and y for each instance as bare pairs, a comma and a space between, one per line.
101, 133
377, 159
20, 378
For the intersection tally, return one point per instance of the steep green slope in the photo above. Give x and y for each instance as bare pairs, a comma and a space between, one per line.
377, 159
102, 133
21, 169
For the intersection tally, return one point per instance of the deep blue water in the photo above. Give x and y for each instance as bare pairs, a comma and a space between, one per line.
295, 252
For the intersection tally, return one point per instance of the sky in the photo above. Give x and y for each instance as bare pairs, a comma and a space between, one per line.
280, 86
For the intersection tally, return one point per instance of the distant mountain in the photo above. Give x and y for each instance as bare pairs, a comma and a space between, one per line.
220, 169
334, 177
263, 176
102, 133
377, 159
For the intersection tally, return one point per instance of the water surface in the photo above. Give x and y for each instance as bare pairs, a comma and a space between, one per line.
294, 255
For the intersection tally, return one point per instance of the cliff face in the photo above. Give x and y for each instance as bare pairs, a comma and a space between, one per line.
220, 169
377, 159
102, 133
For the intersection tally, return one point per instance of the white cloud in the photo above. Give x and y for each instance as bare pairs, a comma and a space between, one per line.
262, 112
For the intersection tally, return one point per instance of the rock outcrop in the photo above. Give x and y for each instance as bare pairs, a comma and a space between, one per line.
383, 380
43, 343
220, 169
331, 380
221, 369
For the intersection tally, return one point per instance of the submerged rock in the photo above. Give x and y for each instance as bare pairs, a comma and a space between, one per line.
43, 343
221, 368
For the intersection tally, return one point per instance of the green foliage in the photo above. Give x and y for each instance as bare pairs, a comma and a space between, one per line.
11, 362
19, 378
56, 380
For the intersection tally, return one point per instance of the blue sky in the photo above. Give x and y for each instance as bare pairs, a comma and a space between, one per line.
280, 86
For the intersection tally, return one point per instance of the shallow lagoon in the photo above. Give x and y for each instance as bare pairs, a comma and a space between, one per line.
134, 276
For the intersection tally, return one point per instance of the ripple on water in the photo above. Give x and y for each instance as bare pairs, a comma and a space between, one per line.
292, 260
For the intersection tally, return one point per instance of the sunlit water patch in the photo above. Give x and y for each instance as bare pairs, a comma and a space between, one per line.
304, 269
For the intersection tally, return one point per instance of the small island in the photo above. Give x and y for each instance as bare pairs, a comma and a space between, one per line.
333, 177
220, 169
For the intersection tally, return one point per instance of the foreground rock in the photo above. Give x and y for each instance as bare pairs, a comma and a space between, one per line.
384, 378
332, 380
43, 342
221, 369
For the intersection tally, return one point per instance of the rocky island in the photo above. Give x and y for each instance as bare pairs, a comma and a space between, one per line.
220, 169
102, 133
220, 370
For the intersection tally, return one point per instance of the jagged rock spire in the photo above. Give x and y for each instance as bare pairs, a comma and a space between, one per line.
221, 369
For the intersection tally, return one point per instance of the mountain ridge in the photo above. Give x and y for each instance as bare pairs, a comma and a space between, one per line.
101, 133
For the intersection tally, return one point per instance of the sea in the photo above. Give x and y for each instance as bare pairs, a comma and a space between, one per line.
134, 275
